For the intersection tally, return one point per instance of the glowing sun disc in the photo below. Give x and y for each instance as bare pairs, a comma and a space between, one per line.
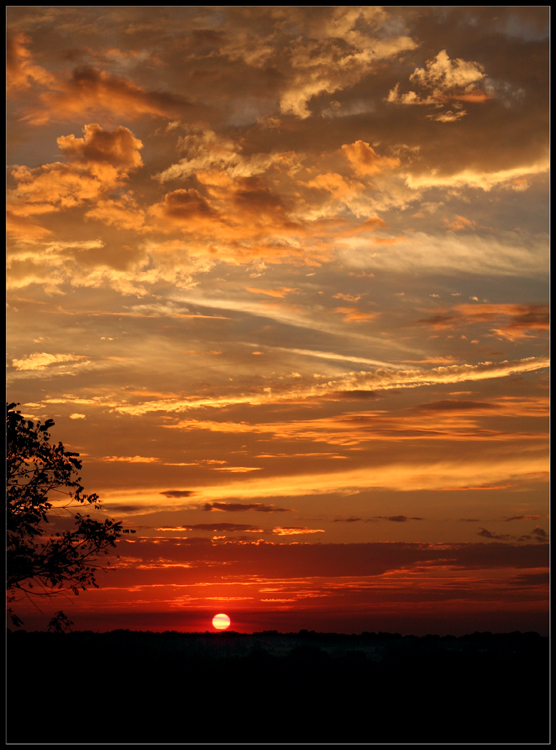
221, 622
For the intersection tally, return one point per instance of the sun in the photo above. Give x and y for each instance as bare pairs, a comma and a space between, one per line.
221, 622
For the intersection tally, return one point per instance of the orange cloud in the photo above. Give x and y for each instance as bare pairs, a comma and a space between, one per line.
91, 91
118, 147
294, 530
186, 207
522, 317
443, 80
353, 314
335, 184
21, 72
98, 162
123, 213
271, 292
459, 223
366, 161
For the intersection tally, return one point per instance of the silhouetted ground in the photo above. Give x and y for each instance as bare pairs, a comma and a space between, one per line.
140, 687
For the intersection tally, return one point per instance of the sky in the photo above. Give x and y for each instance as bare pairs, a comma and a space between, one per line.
280, 277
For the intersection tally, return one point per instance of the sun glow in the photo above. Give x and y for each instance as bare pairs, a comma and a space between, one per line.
221, 622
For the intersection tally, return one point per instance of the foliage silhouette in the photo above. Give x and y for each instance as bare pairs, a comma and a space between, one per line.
39, 563
474, 691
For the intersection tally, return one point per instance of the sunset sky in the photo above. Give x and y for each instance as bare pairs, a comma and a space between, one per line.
280, 277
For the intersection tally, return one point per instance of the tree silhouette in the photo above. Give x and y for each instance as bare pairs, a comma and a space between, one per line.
43, 563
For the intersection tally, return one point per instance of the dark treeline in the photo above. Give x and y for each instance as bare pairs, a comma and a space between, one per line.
128, 686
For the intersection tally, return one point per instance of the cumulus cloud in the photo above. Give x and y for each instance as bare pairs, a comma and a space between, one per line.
119, 147
96, 164
443, 74
320, 65
207, 151
444, 80
366, 161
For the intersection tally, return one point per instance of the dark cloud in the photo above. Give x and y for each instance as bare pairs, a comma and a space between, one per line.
178, 493
351, 519
238, 507
399, 519
355, 395
375, 519
531, 317
522, 518
184, 205
540, 533
489, 535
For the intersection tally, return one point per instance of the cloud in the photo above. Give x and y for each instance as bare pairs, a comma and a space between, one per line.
131, 459
398, 519
489, 535
97, 163
444, 74
380, 378
271, 292
522, 318
187, 207
42, 360
233, 220
223, 527
119, 147
305, 560
366, 161
123, 213
22, 72
540, 533
295, 530
91, 91
443, 80
214, 154
178, 493
452, 255
240, 507
522, 518
319, 64
459, 223
486, 179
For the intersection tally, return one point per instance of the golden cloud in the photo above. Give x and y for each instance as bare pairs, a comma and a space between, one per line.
41, 360
98, 162
118, 147
21, 71
366, 161
90, 91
